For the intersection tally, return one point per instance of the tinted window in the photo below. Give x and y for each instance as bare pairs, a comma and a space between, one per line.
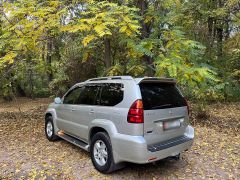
72, 96
161, 96
111, 94
89, 95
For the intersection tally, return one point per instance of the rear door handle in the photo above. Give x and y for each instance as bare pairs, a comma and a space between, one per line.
73, 109
91, 111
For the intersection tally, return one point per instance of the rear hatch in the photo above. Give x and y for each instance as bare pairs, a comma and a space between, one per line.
165, 111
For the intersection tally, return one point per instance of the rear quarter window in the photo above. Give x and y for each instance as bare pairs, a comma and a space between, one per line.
161, 96
111, 94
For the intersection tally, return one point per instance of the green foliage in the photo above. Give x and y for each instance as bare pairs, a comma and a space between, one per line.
181, 59
27, 25
100, 19
46, 46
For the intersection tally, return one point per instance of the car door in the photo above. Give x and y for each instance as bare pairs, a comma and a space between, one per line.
111, 94
85, 110
66, 112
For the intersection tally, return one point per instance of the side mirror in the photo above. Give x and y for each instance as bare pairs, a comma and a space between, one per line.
57, 100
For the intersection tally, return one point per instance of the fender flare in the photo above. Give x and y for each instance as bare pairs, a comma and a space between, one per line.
52, 112
107, 125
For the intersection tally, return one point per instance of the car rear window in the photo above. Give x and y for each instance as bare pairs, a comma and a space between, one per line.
161, 96
111, 94
89, 95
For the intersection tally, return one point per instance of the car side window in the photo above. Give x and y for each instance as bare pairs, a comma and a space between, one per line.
72, 96
89, 95
111, 94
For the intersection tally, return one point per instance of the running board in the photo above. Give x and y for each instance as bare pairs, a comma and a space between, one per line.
73, 140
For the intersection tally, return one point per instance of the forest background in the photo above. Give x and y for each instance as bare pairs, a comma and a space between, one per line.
47, 46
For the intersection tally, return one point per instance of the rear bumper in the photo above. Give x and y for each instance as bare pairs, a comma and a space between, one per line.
134, 148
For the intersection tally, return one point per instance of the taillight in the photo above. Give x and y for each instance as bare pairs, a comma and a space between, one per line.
135, 113
187, 106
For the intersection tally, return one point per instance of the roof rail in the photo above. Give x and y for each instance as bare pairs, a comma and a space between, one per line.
111, 78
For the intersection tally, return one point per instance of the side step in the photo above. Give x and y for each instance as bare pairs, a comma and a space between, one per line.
73, 140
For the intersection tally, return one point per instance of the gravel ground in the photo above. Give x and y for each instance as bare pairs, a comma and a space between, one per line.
26, 153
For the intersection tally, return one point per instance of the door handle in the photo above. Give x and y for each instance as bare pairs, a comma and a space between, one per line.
73, 109
91, 111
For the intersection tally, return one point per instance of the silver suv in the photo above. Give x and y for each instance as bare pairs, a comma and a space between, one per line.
121, 119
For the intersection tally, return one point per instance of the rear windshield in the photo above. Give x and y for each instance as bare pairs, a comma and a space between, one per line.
161, 96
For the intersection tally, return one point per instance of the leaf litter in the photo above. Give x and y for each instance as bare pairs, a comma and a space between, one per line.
25, 153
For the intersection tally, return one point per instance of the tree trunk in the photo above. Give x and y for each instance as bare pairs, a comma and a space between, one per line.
227, 32
219, 41
20, 90
49, 61
210, 35
145, 32
210, 30
31, 82
219, 31
107, 53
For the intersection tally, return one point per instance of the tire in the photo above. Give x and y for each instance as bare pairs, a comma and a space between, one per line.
51, 136
101, 139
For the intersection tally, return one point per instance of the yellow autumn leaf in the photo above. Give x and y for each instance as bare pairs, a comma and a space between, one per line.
100, 28
128, 32
122, 29
54, 3
9, 57
88, 39
126, 19
148, 19
85, 56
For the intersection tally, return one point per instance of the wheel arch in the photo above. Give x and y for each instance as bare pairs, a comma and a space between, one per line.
101, 125
95, 130
52, 112
48, 114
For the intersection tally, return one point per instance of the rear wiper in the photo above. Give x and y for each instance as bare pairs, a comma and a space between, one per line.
162, 106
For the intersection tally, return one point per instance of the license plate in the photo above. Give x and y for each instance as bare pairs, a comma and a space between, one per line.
171, 124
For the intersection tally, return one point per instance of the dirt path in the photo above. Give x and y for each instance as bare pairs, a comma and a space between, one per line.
26, 153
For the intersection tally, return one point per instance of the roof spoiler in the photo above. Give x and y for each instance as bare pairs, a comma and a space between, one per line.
156, 80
